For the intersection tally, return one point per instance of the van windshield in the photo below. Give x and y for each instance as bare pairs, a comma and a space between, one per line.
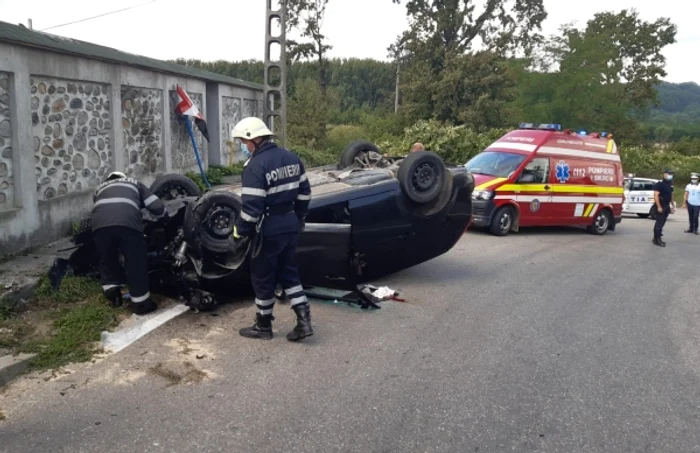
495, 163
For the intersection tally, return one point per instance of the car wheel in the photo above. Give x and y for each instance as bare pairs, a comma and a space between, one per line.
644, 216
502, 221
361, 154
601, 224
173, 186
422, 176
210, 221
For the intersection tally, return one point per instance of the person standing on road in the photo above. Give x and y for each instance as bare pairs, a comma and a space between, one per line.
663, 199
691, 200
276, 195
117, 226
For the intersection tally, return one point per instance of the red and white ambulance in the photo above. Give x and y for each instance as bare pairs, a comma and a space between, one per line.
539, 175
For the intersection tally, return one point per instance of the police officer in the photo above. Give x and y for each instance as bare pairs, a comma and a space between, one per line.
663, 198
276, 195
117, 226
691, 200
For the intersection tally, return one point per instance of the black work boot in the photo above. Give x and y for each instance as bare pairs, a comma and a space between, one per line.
262, 329
114, 296
143, 308
657, 241
303, 328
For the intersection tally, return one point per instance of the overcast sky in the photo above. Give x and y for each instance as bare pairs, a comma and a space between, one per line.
234, 29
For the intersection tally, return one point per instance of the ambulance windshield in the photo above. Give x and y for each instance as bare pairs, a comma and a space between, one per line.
494, 163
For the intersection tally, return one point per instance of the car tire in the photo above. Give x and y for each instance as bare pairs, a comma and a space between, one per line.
643, 216
601, 223
172, 186
210, 221
422, 176
354, 150
502, 221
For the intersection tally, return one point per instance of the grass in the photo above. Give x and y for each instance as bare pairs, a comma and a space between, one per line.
62, 326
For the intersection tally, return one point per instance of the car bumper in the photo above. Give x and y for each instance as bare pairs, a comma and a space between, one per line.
482, 212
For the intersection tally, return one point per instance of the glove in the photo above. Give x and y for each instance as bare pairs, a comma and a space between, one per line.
302, 224
235, 234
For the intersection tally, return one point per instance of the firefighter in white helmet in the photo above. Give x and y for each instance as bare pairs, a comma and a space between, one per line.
276, 195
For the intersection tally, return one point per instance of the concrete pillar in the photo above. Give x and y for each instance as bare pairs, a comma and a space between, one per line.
213, 118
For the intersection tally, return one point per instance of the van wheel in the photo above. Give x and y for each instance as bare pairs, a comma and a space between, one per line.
601, 224
502, 221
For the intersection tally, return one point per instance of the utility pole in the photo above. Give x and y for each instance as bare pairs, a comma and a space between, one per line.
29, 21
270, 110
396, 96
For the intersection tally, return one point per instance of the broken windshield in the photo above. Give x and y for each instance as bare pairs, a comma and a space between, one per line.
493, 163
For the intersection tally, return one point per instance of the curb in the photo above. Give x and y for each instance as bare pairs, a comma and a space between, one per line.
120, 339
13, 366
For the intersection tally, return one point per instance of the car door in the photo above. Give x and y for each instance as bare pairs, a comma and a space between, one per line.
534, 196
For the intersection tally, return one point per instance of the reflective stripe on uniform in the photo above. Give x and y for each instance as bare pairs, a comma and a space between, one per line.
264, 303
294, 289
283, 187
253, 192
248, 217
303, 197
117, 184
116, 200
150, 200
298, 300
303, 178
108, 287
143, 298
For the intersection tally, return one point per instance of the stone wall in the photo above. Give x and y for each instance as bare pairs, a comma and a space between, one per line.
181, 144
6, 177
230, 115
71, 124
142, 128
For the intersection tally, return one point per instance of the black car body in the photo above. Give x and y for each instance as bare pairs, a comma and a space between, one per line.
362, 224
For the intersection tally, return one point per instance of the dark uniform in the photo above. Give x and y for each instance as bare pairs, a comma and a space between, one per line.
276, 195
118, 227
665, 190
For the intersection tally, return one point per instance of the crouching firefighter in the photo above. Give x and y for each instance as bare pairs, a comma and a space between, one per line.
117, 226
276, 195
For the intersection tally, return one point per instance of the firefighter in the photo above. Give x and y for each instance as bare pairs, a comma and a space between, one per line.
663, 201
276, 195
117, 226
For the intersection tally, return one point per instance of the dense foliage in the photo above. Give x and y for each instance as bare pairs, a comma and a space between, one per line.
470, 70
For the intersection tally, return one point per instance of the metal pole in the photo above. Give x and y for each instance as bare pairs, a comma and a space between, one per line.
396, 96
270, 111
29, 21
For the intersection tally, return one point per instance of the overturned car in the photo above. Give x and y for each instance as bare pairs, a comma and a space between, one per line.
370, 216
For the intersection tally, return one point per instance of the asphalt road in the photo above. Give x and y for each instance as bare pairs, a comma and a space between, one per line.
544, 341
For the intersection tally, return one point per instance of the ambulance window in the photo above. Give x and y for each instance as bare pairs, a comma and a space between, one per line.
539, 168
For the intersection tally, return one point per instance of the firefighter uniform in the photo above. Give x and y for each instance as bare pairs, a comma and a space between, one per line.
276, 195
118, 227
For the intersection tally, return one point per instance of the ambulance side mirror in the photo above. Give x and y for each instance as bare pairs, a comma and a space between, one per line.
527, 178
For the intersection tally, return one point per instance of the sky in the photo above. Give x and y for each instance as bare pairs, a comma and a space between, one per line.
234, 29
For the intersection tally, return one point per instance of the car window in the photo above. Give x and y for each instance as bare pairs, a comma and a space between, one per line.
539, 168
643, 185
494, 163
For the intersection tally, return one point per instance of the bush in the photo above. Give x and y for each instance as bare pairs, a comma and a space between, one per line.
215, 174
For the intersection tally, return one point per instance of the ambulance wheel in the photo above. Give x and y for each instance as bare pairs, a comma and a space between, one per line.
422, 176
173, 186
601, 224
502, 221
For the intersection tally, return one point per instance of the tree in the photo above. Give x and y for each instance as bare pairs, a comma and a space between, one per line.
307, 16
444, 78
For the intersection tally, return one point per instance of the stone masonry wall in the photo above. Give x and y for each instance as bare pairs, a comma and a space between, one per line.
142, 125
71, 123
6, 177
230, 115
182, 151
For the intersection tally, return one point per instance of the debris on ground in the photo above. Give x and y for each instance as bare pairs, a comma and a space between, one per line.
178, 373
381, 294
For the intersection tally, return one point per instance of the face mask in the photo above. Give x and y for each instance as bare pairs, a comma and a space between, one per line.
669, 178
694, 182
246, 153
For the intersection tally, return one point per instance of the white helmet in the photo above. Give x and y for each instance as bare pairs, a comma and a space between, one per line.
250, 128
116, 175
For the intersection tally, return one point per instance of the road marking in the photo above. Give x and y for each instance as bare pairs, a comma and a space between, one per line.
116, 341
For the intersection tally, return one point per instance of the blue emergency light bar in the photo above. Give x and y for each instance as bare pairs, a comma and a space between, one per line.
546, 127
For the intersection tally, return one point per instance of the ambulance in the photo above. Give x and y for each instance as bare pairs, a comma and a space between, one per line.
541, 175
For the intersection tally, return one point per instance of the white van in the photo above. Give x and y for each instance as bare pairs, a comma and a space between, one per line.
639, 197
